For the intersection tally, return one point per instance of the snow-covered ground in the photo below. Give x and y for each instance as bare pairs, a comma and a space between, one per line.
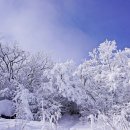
12, 124
66, 123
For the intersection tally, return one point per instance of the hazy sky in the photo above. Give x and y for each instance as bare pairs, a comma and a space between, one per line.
66, 29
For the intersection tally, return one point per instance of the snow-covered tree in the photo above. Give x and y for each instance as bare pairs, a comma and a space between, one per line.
44, 90
22, 100
36, 71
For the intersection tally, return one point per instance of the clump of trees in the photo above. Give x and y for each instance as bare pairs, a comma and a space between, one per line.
44, 90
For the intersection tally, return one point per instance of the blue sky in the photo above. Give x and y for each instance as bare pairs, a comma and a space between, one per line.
66, 29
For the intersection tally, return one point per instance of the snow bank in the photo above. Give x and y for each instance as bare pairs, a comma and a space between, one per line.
17, 124
67, 122
7, 108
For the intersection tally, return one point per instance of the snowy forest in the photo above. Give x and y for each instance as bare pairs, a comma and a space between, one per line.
40, 89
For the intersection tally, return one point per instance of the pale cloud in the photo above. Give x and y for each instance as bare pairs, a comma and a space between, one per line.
37, 26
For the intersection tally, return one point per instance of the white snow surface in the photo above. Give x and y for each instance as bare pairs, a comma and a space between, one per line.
67, 122
6, 107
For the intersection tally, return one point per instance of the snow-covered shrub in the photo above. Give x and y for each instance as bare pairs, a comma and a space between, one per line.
7, 108
22, 103
47, 104
120, 122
